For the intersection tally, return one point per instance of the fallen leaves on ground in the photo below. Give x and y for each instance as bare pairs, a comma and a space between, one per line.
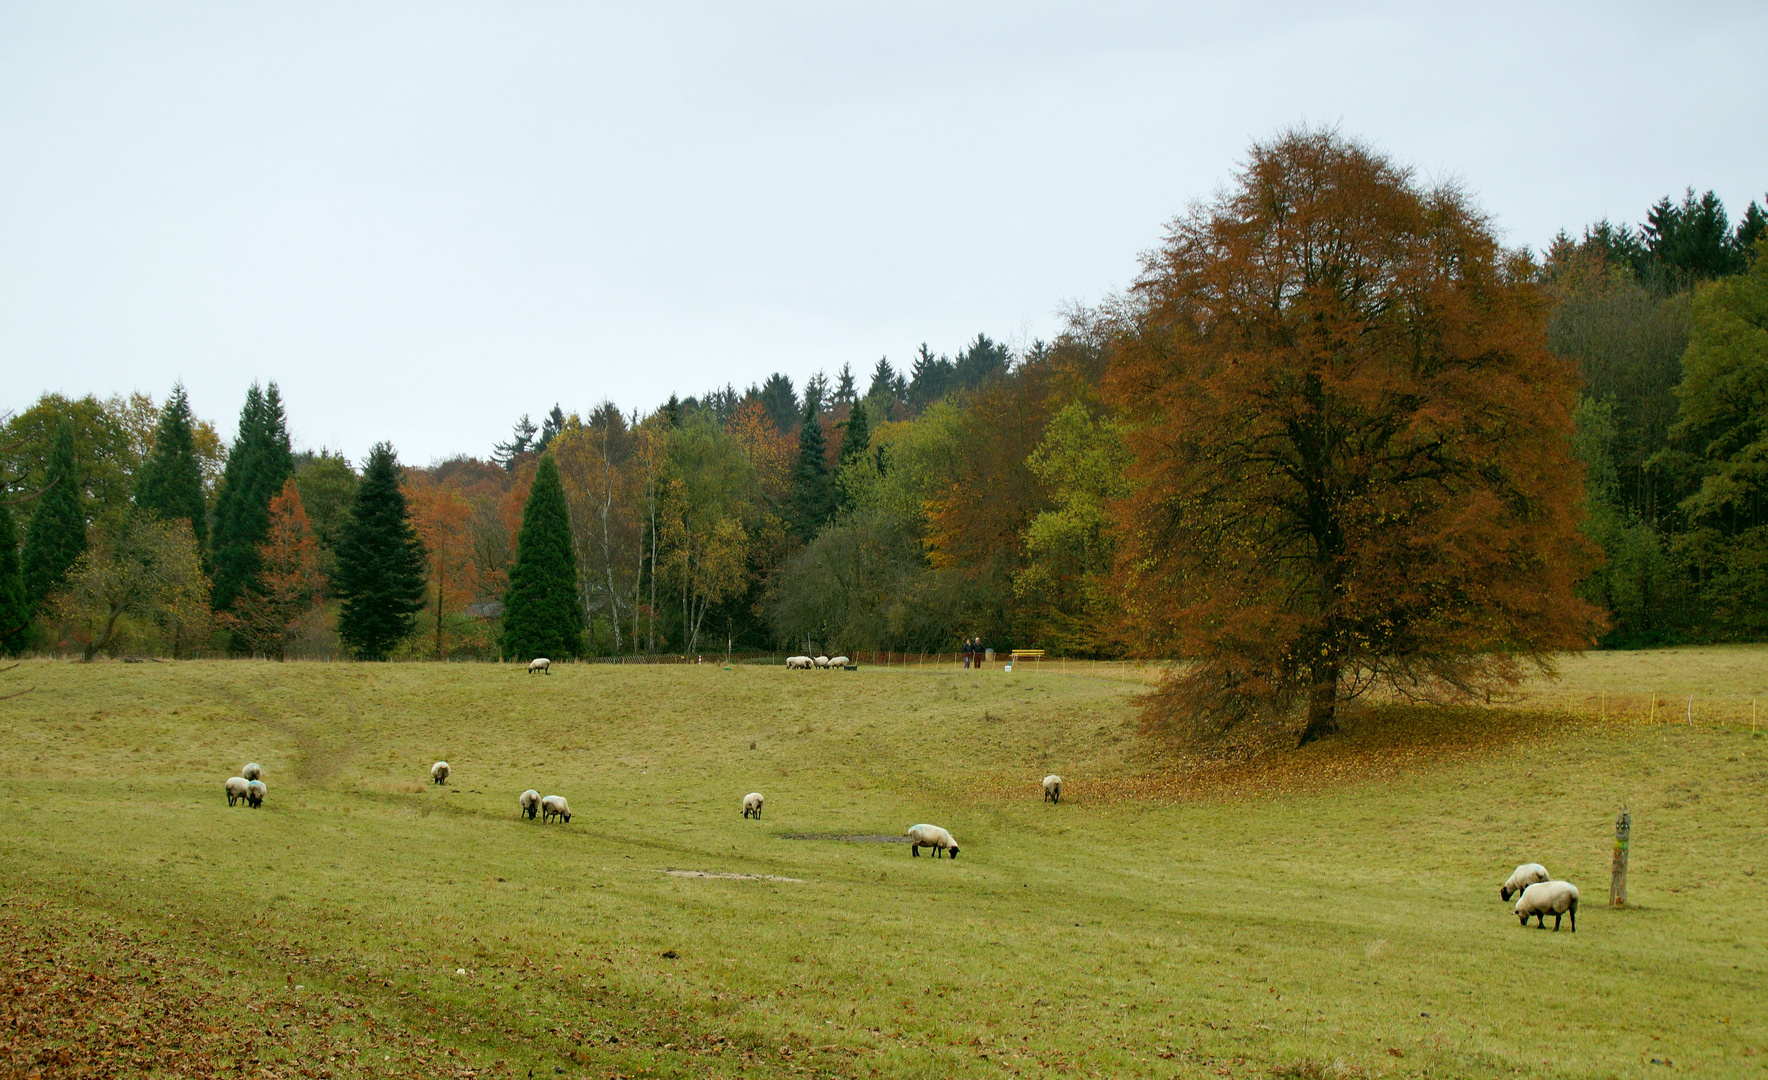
1377, 744
81, 1001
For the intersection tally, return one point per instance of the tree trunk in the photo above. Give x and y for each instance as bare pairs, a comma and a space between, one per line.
110, 630
1322, 704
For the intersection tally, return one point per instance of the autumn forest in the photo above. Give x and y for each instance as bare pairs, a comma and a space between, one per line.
1334, 435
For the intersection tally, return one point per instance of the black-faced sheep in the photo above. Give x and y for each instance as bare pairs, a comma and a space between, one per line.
252, 771
439, 772
1521, 878
236, 790
529, 801
839, 661
752, 804
1053, 788
255, 793
799, 663
540, 664
1543, 898
555, 806
820, 661
932, 836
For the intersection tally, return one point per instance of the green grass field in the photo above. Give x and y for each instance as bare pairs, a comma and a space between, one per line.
1324, 912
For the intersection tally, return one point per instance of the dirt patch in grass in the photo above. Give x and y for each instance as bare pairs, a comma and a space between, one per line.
92, 1001
732, 877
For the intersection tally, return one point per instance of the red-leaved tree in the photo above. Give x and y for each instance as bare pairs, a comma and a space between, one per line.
1351, 448
267, 616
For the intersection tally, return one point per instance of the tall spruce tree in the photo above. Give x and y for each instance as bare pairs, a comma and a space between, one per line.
57, 533
813, 489
380, 563
542, 615
170, 483
855, 441
15, 603
257, 466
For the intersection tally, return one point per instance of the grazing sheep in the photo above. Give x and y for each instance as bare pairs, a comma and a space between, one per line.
252, 771
752, 804
839, 661
820, 661
255, 793
236, 790
1521, 878
439, 772
555, 806
540, 664
1543, 897
1053, 788
799, 663
529, 801
934, 837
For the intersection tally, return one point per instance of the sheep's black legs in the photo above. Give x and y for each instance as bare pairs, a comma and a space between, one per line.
915, 850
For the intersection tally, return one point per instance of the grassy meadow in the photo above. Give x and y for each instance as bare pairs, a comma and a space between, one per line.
1331, 911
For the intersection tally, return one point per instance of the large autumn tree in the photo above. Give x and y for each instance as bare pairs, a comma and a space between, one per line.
1351, 447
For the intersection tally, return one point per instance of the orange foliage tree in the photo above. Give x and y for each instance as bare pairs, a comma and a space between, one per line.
443, 518
289, 584
1351, 447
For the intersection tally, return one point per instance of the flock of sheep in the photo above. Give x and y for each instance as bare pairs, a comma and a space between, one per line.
805, 663
246, 787
1540, 897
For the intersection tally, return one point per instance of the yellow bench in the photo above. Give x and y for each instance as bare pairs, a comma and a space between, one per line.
1027, 654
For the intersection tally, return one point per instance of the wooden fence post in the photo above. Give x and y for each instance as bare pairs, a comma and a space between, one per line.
1691, 710
1617, 882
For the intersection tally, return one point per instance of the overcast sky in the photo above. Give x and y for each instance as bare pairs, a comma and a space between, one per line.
425, 219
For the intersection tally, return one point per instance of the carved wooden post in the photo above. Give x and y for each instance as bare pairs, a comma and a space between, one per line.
1617, 885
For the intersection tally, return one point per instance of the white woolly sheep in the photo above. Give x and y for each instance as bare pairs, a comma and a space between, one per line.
839, 661
255, 793
1053, 788
932, 836
529, 801
252, 771
820, 661
1521, 878
752, 804
439, 772
555, 806
236, 790
799, 663
1558, 898
540, 664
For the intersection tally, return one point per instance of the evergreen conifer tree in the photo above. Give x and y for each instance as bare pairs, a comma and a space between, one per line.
170, 483
57, 534
542, 615
854, 443
813, 490
257, 466
15, 604
380, 571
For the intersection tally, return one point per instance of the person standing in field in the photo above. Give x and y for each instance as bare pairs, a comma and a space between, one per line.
969, 651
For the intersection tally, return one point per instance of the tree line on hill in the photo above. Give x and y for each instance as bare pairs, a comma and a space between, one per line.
1319, 455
